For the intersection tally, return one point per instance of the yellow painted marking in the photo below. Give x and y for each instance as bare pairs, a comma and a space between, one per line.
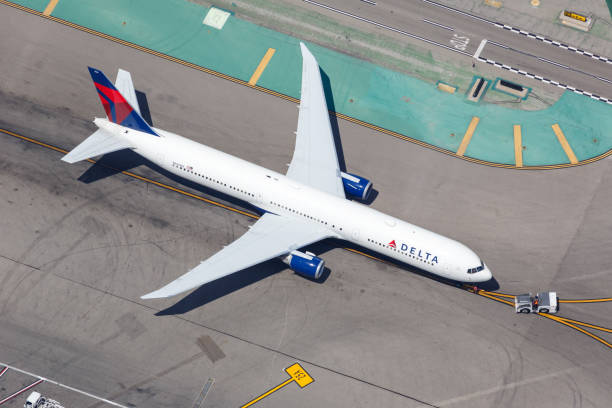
518, 146
297, 101
301, 377
561, 320
494, 3
564, 144
481, 293
262, 65
297, 373
50, 7
265, 394
446, 88
585, 300
468, 136
592, 326
498, 294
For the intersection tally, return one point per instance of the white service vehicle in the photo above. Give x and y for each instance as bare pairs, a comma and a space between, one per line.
36, 400
543, 302
33, 401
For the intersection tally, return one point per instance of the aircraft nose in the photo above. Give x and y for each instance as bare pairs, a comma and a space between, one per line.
485, 275
482, 276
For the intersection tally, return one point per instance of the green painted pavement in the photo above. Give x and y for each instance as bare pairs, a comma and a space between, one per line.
357, 88
38, 5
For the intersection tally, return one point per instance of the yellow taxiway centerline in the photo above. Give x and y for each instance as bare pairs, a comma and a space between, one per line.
480, 292
592, 326
564, 144
468, 135
585, 300
262, 65
562, 321
265, 394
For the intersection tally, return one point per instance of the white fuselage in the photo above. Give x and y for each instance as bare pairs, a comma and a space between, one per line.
278, 194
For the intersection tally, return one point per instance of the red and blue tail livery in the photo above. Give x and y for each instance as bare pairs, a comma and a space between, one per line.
118, 109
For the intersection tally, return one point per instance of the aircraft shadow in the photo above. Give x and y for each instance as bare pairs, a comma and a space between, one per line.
223, 286
333, 120
124, 160
143, 103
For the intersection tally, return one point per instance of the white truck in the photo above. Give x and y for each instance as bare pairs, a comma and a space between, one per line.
543, 302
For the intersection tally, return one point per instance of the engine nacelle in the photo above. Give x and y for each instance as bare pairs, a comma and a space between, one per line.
355, 186
306, 264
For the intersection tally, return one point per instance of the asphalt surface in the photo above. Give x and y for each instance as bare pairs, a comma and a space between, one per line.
463, 33
80, 244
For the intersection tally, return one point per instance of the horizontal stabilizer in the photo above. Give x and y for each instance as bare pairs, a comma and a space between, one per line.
99, 143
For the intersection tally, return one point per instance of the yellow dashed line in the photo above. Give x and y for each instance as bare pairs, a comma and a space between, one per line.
518, 146
50, 7
262, 65
468, 136
564, 144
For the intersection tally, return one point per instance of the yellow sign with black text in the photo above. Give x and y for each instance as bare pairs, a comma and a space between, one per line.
575, 16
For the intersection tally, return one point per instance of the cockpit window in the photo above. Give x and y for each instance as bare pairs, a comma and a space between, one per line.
477, 269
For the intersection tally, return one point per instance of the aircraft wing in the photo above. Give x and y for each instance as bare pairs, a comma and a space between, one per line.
270, 237
125, 86
315, 160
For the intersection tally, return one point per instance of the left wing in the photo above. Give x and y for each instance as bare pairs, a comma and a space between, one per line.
315, 161
270, 237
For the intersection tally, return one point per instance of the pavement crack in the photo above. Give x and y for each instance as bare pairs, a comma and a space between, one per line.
19, 263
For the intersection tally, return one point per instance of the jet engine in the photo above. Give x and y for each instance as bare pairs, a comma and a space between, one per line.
355, 186
306, 264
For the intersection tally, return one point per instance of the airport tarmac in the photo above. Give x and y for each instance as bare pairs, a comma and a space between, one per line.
76, 257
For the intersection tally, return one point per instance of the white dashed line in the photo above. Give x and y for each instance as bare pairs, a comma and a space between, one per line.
546, 80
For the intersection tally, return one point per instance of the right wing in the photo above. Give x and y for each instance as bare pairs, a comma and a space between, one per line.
270, 237
315, 161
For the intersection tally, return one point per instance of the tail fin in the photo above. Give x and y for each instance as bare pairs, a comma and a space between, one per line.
118, 109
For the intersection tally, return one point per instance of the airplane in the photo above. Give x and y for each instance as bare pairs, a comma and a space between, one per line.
314, 201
